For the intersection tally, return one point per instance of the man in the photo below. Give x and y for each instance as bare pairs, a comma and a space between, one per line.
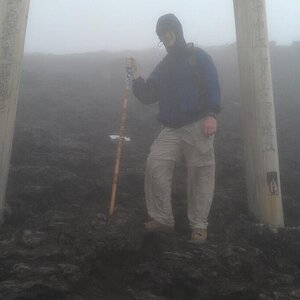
185, 85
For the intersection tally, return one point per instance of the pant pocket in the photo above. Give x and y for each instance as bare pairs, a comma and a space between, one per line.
203, 144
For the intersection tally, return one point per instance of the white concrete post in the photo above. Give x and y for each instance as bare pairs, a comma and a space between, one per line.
13, 20
260, 140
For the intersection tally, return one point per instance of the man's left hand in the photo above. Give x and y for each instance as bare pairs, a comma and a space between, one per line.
209, 126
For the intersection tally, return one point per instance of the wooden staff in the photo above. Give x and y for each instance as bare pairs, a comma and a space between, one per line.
121, 137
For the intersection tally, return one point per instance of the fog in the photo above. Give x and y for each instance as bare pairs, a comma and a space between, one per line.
75, 26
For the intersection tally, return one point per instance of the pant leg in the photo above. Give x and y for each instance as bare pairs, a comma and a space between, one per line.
161, 161
200, 190
199, 155
158, 183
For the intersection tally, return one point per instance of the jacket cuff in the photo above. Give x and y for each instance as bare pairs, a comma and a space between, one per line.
211, 114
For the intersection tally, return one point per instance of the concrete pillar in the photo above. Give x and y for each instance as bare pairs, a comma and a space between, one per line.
13, 20
260, 140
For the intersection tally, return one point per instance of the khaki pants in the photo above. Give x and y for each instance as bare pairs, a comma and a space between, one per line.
170, 147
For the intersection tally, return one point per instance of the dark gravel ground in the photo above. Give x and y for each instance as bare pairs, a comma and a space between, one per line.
58, 243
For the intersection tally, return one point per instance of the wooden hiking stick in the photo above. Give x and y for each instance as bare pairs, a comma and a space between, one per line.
128, 69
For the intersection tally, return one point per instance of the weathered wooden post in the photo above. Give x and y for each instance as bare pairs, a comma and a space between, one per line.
260, 140
13, 20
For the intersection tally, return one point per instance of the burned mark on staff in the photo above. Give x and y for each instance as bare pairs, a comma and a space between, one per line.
272, 182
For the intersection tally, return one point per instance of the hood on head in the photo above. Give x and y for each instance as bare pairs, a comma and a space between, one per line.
170, 22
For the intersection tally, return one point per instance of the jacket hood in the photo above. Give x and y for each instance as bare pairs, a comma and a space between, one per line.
170, 22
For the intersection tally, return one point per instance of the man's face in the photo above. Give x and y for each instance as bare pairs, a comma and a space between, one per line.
168, 37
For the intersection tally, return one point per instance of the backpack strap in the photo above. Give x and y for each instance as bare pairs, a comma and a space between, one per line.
198, 76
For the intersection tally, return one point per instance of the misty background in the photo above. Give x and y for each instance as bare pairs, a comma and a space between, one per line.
58, 242
76, 26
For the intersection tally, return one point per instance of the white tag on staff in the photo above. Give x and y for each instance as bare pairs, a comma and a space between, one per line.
117, 137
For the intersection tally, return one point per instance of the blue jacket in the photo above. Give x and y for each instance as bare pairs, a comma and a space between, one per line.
172, 84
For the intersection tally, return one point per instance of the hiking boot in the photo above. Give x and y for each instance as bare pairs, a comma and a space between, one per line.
154, 226
199, 235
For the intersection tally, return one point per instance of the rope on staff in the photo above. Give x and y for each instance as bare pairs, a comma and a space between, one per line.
128, 69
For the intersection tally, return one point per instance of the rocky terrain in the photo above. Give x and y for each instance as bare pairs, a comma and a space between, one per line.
57, 241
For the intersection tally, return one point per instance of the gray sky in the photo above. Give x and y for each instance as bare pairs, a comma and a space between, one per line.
72, 26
